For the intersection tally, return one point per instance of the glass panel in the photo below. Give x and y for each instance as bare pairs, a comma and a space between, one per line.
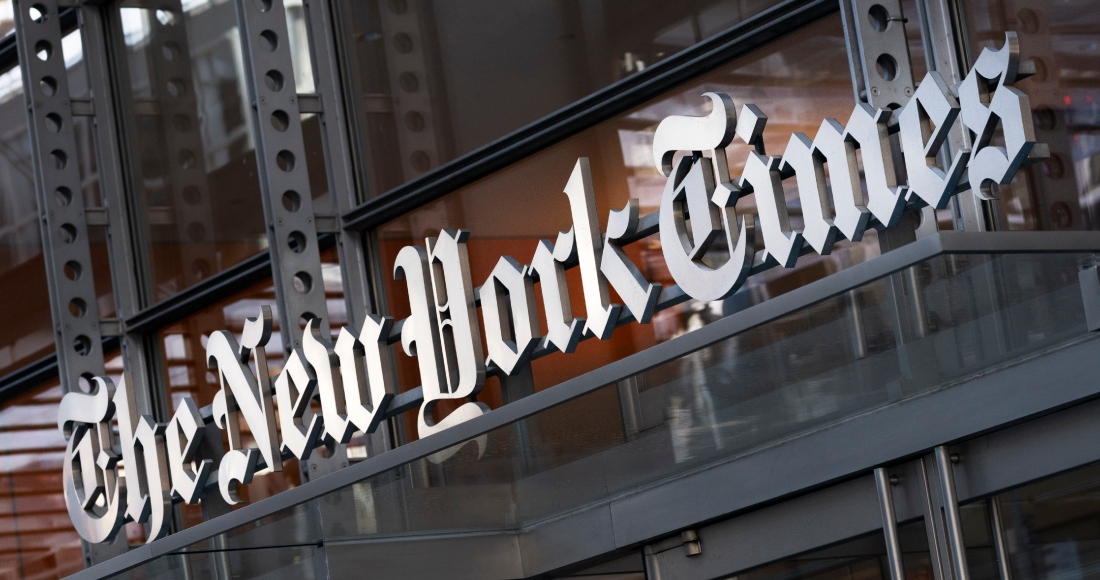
861, 558
1051, 528
799, 81
1062, 192
28, 335
699, 410
7, 19
37, 540
192, 139
421, 71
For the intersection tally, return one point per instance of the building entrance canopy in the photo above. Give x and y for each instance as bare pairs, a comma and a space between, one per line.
765, 427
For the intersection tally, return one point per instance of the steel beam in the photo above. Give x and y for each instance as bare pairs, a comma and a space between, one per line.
281, 163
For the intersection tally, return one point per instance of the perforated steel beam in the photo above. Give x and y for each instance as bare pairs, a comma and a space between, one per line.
58, 190
78, 329
281, 161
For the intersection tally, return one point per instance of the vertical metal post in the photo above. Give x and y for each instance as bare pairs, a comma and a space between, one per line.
58, 188
1000, 545
421, 136
64, 218
936, 544
951, 513
281, 162
129, 274
946, 53
335, 132
889, 524
189, 194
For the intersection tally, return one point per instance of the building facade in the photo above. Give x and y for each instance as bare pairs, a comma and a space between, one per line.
551, 289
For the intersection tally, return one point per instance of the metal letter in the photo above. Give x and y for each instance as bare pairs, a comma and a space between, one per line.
241, 393
762, 176
639, 296
867, 127
511, 321
320, 355
459, 338
988, 98
294, 388
691, 191
563, 332
148, 492
932, 104
90, 468
809, 170
185, 432
366, 371
600, 314
831, 146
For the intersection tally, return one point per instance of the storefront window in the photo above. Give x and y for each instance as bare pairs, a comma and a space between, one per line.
1050, 528
797, 81
1062, 38
192, 137
422, 71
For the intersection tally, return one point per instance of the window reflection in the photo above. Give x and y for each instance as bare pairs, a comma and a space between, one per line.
192, 136
37, 539
1063, 38
432, 81
1051, 528
797, 81
27, 336
862, 558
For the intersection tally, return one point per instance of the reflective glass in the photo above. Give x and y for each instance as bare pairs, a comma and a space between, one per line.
1051, 528
804, 370
1062, 38
861, 558
37, 539
797, 81
431, 81
192, 139
27, 334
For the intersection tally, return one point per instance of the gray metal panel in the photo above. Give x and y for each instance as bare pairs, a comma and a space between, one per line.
544, 545
474, 556
765, 535
1039, 448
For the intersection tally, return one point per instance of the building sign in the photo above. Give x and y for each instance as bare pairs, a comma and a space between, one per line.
710, 251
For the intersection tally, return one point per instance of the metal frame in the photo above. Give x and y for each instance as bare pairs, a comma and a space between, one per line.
281, 163
900, 431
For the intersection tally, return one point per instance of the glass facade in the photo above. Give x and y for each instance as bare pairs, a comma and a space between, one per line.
917, 404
